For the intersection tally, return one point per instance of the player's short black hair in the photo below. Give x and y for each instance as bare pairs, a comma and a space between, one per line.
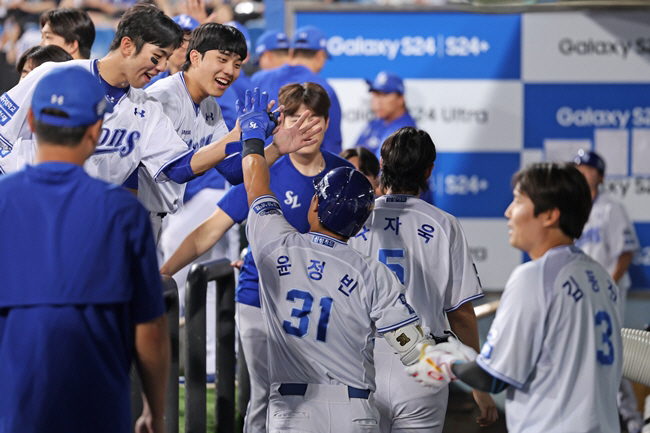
305, 54
72, 25
213, 36
552, 185
368, 162
38, 55
406, 156
311, 94
62, 136
144, 23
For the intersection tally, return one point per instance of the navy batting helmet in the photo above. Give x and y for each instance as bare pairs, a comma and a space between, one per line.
592, 159
345, 200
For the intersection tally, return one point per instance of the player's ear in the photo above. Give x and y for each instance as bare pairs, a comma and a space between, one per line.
429, 171
127, 46
92, 136
195, 58
551, 218
30, 119
73, 47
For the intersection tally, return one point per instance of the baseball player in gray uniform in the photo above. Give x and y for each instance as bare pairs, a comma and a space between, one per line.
323, 302
610, 239
427, 250
555, 344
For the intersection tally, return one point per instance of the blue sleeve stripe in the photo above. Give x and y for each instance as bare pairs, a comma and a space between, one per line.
6, 142
471, 298
498, 375
170, 162
398, 325
265, 196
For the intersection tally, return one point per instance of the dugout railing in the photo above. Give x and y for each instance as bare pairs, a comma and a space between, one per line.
194, 351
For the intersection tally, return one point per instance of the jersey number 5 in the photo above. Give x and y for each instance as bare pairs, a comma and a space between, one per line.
605, 357
394, 253
302, 314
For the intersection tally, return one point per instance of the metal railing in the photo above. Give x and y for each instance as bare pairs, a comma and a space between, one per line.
200, 274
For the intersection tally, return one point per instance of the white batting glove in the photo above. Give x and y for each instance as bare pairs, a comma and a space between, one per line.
434, 367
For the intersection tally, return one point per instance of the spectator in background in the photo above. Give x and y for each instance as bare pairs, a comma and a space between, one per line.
367, 163
610, 239
307, 58
38, 55
176, 60
387, 93
70, 29
69, 329
272, 49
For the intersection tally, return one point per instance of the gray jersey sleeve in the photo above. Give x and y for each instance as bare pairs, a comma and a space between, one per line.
515, 339
464, 284
620, 231
265, 223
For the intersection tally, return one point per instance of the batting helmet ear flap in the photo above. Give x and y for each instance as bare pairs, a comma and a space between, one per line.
345, 199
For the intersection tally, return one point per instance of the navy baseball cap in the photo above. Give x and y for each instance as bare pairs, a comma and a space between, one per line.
74, 92
271, 40
309, 38
186, 22
242, 28
387, 82
592, 159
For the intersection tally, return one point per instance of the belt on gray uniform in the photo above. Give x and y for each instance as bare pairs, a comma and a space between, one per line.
161, 215
301, 389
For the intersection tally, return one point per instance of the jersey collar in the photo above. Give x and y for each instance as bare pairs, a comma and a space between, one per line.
197, 107
113, 94
323, 235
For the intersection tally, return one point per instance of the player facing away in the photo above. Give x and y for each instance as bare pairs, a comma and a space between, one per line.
292, 178
323, 301
610, 239
555, 343
69, 324
137, 131
427, 250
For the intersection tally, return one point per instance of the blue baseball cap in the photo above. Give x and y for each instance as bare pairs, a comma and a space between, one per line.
387, 82
73, 91
592, 159
242, 28
271, 40
309, 38
186, 22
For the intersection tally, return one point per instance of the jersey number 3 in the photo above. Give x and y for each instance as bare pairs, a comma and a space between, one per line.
605, 357
302, 314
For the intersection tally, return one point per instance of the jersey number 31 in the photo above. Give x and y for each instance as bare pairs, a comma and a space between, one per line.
302, 314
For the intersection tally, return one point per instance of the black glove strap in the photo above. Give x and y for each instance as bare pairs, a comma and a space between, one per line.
253, 145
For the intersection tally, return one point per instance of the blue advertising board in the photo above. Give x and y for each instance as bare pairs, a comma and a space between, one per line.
420, 45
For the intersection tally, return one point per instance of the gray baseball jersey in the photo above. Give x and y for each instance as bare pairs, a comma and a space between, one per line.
556, 341
197, 125
136, 132
426, 248
608, 234
323, 302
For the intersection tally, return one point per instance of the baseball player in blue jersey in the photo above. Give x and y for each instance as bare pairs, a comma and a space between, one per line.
69, 324
307, 58
272, 49
554, 344
428, 251
387, 90
291, 178
610, 239
323, 301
